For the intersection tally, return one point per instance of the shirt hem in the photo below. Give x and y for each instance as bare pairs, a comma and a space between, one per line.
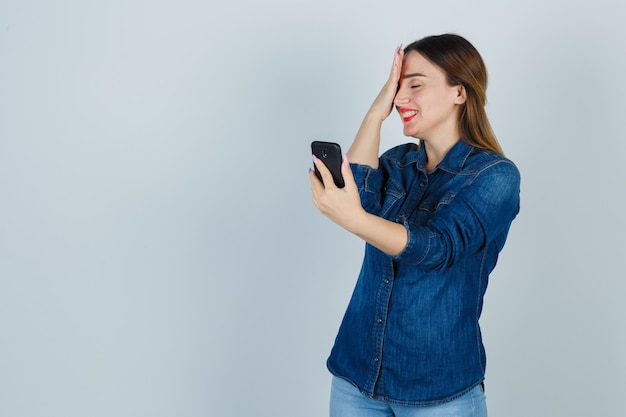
412, 403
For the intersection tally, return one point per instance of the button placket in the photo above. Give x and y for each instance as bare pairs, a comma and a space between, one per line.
382, 303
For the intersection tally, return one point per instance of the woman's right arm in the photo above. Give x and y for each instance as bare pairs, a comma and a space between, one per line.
366, 145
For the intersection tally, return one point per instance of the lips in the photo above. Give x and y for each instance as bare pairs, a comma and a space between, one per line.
407, 114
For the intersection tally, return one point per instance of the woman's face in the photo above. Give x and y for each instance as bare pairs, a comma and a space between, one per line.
427, 105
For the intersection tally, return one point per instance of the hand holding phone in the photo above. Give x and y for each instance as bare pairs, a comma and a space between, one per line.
330, 154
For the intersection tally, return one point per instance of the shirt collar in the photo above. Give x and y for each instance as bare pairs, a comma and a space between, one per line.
452, 162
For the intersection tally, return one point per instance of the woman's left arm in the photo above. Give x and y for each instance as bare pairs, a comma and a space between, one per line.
478, 215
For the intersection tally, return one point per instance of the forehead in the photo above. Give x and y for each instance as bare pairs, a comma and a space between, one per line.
415, 64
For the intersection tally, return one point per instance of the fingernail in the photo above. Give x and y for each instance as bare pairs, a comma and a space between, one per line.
314, 158
345, 159
398, 48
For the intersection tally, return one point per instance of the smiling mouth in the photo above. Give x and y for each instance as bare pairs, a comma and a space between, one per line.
407, 115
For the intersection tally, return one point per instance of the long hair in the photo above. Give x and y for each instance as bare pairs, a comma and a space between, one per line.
463, 65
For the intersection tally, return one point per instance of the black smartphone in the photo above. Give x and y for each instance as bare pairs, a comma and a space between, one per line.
330, 154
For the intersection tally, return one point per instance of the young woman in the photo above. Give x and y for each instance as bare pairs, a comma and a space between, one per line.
434, 214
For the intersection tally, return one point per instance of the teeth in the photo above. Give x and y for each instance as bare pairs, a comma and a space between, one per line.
409, 114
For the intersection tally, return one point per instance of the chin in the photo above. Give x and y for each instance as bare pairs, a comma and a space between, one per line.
412, 133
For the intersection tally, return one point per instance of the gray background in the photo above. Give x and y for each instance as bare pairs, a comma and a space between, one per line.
159, 253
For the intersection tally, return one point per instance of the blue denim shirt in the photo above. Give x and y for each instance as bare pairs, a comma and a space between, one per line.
410, 333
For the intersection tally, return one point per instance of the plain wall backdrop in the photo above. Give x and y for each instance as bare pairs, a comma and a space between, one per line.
159, 251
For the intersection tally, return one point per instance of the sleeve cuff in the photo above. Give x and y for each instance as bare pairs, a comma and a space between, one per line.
419, 243
367, 179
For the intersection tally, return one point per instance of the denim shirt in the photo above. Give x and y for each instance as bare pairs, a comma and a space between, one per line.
410, 333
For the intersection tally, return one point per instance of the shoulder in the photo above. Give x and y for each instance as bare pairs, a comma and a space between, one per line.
494, 178
482, 161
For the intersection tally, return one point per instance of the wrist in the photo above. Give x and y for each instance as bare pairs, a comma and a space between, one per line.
357, 222
374, 118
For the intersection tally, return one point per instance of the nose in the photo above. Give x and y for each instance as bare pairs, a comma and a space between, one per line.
401, 97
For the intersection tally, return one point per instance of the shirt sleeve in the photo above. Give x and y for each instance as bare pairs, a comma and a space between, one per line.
369, 182
481, 212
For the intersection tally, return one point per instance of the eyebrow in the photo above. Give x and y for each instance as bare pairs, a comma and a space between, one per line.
416, 74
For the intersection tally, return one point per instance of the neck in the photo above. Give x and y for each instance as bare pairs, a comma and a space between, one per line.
439, 140
437, 150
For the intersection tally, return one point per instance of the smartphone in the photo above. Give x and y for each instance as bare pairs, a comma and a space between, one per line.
330, 154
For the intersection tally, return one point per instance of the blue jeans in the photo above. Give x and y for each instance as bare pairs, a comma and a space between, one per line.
347, 401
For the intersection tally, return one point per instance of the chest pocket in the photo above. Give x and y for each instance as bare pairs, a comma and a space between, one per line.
431, 205
394, 195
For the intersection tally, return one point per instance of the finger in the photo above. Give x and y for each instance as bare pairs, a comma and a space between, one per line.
327, 177
316, 187
396, 66
346, 173
316, 184
313, 177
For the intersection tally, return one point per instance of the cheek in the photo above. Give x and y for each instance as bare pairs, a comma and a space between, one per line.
439, 102
423, 100
417, 98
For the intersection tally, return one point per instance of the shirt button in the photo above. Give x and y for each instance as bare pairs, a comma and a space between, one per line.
386, 281
379, 320
376, 359
421, 184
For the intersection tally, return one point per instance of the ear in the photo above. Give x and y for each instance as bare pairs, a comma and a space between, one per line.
461, 96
